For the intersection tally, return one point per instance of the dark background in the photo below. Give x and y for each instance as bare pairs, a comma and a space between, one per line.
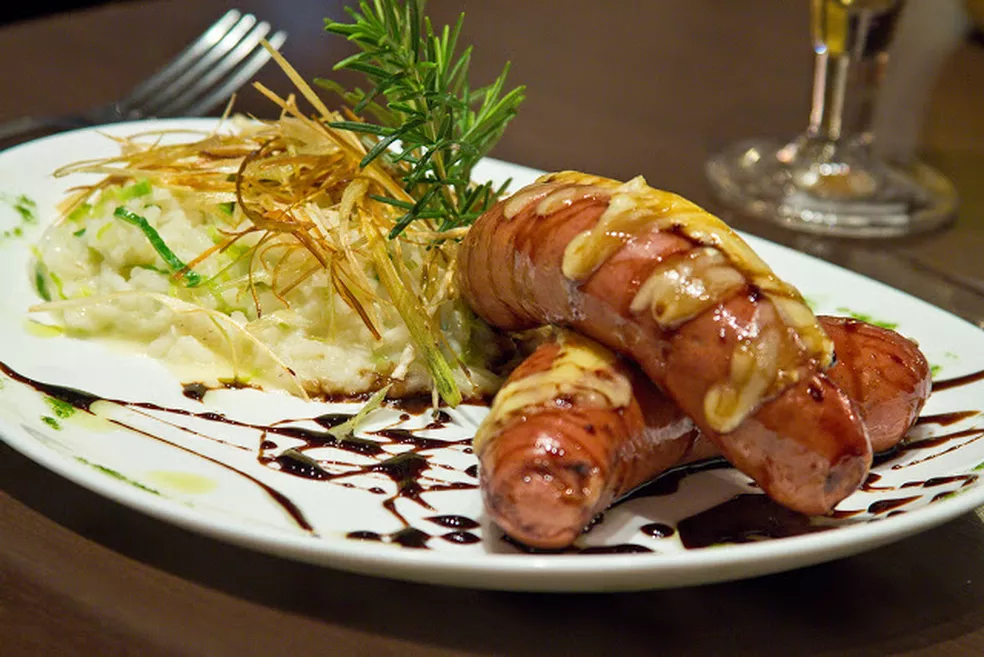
20, 11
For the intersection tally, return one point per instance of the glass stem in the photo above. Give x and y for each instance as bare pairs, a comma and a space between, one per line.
830, 77
846, 80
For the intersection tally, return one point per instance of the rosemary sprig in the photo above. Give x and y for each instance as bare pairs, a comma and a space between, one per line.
430, 124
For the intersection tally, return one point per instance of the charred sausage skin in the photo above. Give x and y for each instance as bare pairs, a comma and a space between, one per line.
549, 465
793, 431
883, 372
586, 428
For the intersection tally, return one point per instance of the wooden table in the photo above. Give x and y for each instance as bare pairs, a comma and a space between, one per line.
614, 88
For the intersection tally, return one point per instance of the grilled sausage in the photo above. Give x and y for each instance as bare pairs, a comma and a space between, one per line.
656, 278
573, 428
562, 441
883, 372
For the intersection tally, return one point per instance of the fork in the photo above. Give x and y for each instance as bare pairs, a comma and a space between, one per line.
206, 73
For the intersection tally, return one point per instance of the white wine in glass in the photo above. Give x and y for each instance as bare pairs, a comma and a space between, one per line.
828, 180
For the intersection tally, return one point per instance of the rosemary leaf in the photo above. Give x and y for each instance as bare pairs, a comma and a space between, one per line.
421, 97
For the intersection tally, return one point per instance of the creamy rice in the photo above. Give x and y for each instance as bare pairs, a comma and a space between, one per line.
123, 289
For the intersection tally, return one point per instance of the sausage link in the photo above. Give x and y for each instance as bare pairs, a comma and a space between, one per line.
552, 463
796, 434
884, 373
588, 432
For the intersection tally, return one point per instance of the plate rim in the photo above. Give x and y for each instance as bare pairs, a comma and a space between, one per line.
516, 572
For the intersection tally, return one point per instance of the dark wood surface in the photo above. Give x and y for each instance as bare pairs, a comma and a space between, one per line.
614, 88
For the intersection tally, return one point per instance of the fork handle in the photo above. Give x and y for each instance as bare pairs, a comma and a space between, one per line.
30, 124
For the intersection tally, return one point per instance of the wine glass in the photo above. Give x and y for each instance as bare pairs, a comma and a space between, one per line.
829, 180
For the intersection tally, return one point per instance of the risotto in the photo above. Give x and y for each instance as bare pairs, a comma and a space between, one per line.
263, 265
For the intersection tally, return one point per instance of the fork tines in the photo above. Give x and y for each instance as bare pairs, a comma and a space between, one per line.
207, 71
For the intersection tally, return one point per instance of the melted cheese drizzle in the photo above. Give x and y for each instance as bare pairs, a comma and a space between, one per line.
680, 289
583, 371
683, 288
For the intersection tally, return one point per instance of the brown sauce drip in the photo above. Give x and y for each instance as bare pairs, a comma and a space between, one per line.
872, 479
332, 420
453, 522
408, 437
743, 519
462, 537
878, 458
364, 536
439, 420
947, 419
285, 502
314, 438
932, 482
881, 506
620, 548
668, 483
957, 381
416, 405
967, 480
197, 390
657, 530
194, 390
79, 399
409, 537
405, 469
936, 441
442, 416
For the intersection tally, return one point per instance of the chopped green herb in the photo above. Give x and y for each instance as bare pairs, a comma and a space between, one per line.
80, 212
27, 208
51, 422
136, 190
347, 429
163, 250
862, 317
61, 409
227, 208
934, 370
103, 230
41, 282
117, 475
56, 279
79, 233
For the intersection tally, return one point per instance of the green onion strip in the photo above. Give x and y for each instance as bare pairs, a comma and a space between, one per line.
163, 250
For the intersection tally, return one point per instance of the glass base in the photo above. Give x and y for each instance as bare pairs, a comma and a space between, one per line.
831, 188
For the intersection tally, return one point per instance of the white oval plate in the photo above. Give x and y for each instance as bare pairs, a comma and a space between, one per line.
205, 474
